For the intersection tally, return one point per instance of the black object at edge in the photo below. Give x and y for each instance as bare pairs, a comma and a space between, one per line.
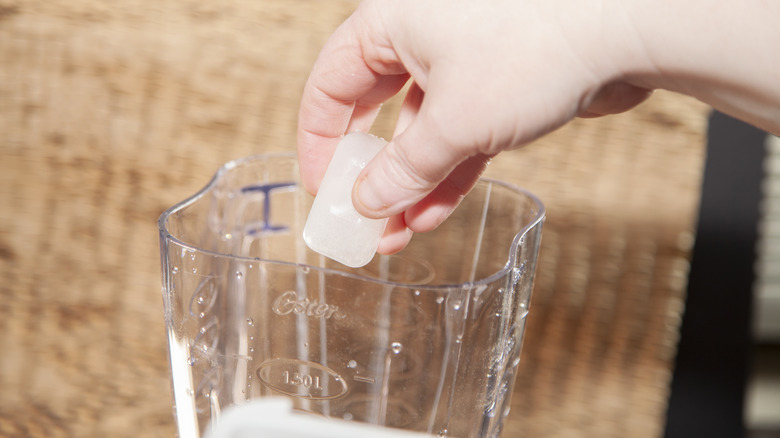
712, 365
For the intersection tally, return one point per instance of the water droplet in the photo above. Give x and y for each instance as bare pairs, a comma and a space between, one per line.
250, 321
305, 345
250, 266
194, 270
239, 275
251, 338
192, 256
305, 269
417, 293
203, 329
458, 339
202, 314
396, 347
249, 376
347, 416
191, 361
175, 270
251, 349
442, 433
351, 364
456, 305
518, 272
439, 300
228, 236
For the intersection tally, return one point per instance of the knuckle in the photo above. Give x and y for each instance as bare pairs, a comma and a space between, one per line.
408, 171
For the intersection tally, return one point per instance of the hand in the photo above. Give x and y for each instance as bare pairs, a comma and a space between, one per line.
488, 76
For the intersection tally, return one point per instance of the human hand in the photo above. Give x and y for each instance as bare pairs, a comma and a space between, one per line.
488, 76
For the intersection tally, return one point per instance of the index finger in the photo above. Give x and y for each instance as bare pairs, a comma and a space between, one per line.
351, 78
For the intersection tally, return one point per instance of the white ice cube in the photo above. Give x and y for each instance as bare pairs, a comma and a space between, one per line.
334, 228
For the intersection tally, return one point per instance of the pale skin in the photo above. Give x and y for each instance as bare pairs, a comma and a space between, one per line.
493, 75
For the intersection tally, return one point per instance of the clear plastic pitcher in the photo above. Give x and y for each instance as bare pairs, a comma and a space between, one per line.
427, 340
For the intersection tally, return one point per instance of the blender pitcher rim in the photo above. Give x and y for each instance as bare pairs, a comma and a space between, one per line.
232, 164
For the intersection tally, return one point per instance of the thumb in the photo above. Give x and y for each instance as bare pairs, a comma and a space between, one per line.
406, 170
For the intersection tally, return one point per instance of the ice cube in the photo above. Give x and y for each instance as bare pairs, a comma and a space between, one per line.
334, 228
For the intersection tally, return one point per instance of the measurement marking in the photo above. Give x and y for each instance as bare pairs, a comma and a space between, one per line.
364, 379
242, 357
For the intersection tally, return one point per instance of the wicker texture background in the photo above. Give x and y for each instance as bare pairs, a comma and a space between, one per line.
112, 111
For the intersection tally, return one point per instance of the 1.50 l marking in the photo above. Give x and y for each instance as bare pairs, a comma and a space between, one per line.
302, 378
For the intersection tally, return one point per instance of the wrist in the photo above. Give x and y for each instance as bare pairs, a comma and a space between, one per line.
719, 51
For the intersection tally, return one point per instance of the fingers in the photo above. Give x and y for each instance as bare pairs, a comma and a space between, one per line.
405, 170
397, 235
367, 106
434, 208
437, 206
342, 93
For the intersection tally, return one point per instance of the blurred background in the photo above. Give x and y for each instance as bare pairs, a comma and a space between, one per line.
110, 112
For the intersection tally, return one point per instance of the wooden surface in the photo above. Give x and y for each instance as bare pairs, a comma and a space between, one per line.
112, 111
